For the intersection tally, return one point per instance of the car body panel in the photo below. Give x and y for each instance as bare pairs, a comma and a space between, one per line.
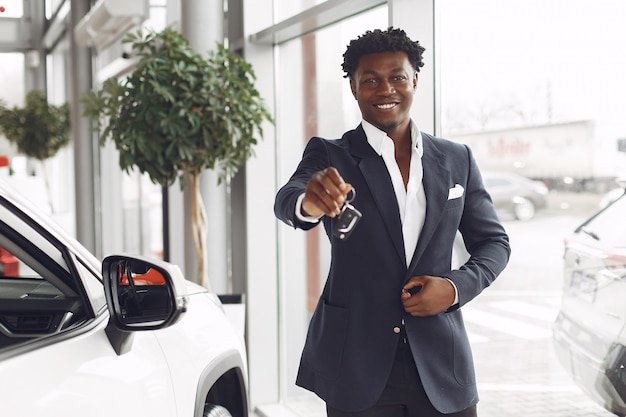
590, 330
188, 362
87, 377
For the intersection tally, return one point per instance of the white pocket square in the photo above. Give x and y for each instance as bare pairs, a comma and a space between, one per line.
455, 192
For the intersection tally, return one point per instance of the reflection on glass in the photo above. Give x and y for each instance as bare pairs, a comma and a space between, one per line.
142, 293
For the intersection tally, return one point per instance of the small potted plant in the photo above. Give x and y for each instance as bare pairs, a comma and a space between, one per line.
178, 114
38, 130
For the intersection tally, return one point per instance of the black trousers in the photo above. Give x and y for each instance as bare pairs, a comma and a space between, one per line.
404, 394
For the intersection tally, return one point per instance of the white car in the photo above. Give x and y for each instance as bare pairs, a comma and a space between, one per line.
589, 333
128, 336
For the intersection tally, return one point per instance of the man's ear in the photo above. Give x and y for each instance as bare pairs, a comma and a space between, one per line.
353, 87
415, 76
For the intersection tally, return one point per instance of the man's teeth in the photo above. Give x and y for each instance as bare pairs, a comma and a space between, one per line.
386, 106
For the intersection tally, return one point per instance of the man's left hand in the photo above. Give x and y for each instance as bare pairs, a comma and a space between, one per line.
435, 296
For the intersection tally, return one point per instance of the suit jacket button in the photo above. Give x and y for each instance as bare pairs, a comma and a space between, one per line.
396, 330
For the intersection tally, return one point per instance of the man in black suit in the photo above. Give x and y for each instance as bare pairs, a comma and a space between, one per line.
387, 337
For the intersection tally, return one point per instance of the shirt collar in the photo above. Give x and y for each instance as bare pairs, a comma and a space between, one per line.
375, 137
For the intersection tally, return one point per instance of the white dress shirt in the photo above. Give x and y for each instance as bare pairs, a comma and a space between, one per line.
411, 200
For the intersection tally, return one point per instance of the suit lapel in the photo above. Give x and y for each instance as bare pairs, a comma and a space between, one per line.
436, 182
379, 183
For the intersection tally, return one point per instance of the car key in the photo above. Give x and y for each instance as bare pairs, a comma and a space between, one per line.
347, 220
414, 290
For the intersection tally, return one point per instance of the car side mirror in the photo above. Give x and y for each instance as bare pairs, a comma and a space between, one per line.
143, 293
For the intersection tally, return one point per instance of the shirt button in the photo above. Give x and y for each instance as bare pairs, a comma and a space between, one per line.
396, 330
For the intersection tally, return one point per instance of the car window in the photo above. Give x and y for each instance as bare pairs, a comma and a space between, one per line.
608, 227
22, 261
39, 297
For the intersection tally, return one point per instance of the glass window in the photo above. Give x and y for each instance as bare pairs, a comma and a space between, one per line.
58, 171
535, 88
38, 296
314, 100
12, 78
142, 217
12, 95
157, 19
508, 65
608, 229
288, 8
12, 266
131, 200
13, 8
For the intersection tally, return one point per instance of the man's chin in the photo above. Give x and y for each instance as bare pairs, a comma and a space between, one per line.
386, 127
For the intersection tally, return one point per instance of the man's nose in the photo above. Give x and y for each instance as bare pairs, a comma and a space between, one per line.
387, 87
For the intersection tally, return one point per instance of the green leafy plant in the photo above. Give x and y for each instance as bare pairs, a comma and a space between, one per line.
178, 113
38, 130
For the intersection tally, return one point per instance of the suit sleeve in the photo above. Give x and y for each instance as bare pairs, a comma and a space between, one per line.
315, 158
485, 239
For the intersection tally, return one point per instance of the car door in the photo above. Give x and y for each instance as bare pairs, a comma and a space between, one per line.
595, 286
55, 356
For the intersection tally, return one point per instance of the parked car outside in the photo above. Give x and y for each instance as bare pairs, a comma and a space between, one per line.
515, 194
589, 333
613, 194
128, 336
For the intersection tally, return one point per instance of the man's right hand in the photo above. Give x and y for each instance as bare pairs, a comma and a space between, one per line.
325, 194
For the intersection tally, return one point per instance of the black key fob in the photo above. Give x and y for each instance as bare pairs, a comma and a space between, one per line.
414, 290
346, 222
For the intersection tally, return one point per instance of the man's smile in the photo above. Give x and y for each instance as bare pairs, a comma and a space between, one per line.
386, 106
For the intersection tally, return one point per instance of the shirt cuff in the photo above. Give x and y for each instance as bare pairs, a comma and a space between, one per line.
299, 214
456, 293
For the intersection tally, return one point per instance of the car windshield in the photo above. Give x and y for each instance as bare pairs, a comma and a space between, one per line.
608, 227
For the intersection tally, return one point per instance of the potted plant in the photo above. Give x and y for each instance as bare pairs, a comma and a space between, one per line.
178, 113
38, 130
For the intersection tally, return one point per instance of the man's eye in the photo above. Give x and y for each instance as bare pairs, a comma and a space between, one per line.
399, 78
369, 81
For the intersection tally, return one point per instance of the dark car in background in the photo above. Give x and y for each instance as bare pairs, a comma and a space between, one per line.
589, 333
515, 195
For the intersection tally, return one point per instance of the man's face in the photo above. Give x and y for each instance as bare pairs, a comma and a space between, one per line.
384, 84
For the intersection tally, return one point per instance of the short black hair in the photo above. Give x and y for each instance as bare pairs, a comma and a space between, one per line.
375, 41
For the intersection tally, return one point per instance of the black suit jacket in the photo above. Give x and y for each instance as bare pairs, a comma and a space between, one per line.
351, 342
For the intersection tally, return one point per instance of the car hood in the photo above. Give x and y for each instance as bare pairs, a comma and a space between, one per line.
193, 288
